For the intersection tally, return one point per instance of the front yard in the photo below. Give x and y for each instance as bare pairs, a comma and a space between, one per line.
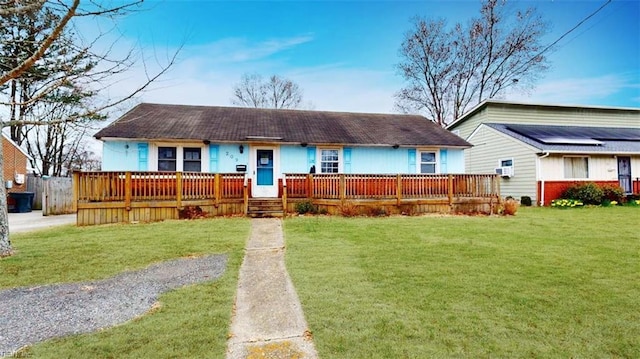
192, 322
545, 283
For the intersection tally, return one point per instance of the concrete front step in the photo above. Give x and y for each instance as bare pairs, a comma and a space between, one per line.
265, 207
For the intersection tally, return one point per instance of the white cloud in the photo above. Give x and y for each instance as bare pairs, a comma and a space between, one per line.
234, 50
206, 76
587, 90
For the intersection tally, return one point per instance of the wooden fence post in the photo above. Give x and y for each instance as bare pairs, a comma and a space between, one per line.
245, 194
76, 191
217, 190
127, 191
343, 187
399, 188
179, 190
309, 186
284, 194
450, 190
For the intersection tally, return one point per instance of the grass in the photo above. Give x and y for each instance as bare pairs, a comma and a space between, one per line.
189, 322
546, 283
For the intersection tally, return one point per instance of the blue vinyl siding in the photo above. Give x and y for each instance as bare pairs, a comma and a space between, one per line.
229, 156
379, 160
455, 161
124, 156
223, 158
294, 159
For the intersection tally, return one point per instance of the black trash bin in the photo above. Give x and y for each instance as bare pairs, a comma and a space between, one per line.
23, 200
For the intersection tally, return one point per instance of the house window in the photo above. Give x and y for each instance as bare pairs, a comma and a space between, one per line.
506, 163
329, 161
576, 167
192, 159
428, 162
167, 158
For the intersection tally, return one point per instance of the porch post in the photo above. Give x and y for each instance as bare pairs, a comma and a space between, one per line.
284, 194
76, 190
216, 189
399, 188
179, 190
309, 186
450, 190
127, 191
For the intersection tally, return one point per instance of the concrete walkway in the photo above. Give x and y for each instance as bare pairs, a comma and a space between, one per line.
31, 221
268, 321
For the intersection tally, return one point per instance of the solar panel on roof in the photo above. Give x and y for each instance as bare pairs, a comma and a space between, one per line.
569, 141
575, 135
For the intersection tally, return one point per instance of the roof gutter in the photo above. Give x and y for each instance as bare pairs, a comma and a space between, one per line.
540, 177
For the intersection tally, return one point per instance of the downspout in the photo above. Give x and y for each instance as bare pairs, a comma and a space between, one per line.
541, 178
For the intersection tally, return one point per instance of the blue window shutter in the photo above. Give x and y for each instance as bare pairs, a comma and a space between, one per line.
412, 160
311, 157
213, 158
346, 152
443, 161
143, 157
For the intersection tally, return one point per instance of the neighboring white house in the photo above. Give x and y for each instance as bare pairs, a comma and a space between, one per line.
542, 149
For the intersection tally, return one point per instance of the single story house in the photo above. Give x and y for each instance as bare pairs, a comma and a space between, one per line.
15, 165
265, 143
540, 150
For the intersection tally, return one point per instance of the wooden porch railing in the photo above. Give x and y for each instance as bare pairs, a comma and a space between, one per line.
401, 186
157, 186
111, 197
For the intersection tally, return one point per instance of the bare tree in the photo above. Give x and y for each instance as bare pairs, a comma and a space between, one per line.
276, 92
448, 71
45, 39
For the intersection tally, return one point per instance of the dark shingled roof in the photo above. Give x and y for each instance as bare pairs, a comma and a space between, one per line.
236, 124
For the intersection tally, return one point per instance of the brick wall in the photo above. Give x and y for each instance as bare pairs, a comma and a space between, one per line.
553, 189
14, 162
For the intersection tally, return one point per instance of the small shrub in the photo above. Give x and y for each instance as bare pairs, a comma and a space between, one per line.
525, 201
408, 210
509, 207
191, 212
612, 193
587, 193
566, 203
348, 209
377, 212
306, 207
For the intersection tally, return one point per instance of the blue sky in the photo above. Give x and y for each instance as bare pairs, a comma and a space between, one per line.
343, 54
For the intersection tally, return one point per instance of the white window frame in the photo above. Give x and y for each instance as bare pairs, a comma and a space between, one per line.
502, 160
564, 168
419, 160
319, 159
204, 155
191, 160
175, 155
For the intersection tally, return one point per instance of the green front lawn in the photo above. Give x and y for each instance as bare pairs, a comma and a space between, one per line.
546, 283
189, 322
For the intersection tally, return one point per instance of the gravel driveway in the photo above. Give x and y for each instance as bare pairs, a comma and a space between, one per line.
32, 314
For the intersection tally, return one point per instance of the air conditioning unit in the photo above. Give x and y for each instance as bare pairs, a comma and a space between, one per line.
505, 171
